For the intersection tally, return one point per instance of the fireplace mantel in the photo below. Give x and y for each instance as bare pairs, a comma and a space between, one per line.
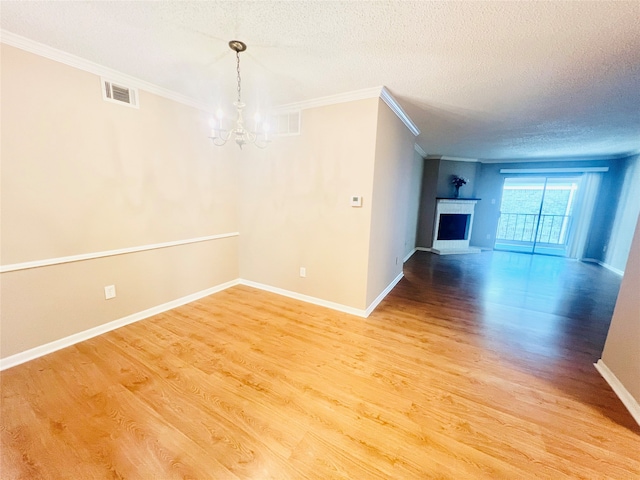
453, 223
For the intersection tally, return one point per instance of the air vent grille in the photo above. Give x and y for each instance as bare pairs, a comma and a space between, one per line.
117, 93
121, 94
287, 123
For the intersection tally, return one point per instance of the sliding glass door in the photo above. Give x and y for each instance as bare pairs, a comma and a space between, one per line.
536, 214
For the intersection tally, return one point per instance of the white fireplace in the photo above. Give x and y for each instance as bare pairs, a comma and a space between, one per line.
452, 228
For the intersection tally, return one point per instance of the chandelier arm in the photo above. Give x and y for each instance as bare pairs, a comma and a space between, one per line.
261, 145
221, 137
254, 139
218, 142
251, 136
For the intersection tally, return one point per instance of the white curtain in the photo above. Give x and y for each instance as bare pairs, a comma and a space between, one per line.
587, 193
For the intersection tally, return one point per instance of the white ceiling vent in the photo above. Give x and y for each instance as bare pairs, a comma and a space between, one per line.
287, 123
117, 93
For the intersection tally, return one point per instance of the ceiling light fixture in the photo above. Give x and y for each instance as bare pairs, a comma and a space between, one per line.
259, 137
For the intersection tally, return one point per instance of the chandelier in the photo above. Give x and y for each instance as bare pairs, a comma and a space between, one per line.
242, 136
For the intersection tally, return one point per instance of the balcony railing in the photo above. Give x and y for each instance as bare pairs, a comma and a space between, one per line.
521, 227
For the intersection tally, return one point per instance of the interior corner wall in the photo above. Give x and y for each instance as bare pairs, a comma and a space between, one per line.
426, 215
414, 190
81, 176
449, 168
608, 202
295, 208
436, 182
391, 201
626, 216
621, 352
489, 184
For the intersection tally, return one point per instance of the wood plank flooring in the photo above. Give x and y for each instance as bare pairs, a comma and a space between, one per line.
475, 366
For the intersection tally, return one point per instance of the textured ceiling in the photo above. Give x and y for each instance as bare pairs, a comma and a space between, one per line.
484, 80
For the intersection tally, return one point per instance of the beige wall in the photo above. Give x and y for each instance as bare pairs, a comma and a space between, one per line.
71, 159
80, 175
391, 201
621, 235
45, 304
295, 209
428, 194
436, 182
413, 212
622, 349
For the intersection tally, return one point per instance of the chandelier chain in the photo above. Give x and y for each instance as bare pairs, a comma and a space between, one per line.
238, 70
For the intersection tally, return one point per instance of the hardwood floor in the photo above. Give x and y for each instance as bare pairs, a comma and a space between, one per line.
475, 366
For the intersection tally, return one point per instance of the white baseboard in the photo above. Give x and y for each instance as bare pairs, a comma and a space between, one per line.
409, 255
617, 271
306, 298
423, 249
619, 389
33, 353
613, 269
384, 293
325, 303
36, 352
455, 252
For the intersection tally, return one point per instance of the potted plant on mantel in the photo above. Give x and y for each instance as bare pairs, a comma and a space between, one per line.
457, 183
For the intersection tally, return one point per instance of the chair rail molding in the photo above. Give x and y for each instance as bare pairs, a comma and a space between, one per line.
109, 253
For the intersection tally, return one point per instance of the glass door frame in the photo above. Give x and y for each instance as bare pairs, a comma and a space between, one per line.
534, 244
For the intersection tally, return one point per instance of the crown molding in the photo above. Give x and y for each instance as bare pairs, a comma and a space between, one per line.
451, 159
556, 170
419, 150
23, 43
459, 159
365, 93
575, 158
387, 98
60, 56
331, 99
584, 158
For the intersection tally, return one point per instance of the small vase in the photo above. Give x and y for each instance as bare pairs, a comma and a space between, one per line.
456, 191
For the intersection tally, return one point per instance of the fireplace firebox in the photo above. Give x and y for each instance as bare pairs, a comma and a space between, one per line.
453, 223
454, 226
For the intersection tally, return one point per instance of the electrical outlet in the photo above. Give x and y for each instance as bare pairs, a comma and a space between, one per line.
109, 292
396, 260
303, 272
